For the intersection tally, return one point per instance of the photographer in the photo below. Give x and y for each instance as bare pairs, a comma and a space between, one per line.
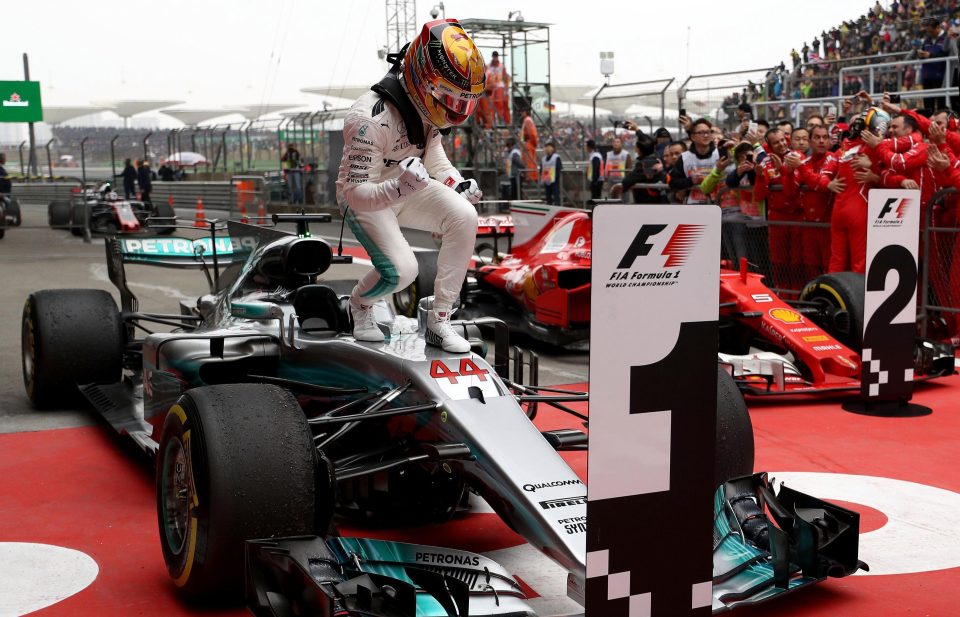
695, 164
647, 170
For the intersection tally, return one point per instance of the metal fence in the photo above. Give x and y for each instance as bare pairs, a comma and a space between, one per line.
940, 273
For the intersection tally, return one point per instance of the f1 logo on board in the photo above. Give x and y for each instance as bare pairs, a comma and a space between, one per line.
892, 212
677, 250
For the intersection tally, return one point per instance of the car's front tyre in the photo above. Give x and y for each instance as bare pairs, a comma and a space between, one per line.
236, 463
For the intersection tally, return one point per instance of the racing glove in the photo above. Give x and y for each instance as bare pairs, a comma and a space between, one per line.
413, 178
470, 190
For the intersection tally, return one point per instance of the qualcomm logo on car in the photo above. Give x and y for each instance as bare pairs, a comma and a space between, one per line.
664, 273
533, 488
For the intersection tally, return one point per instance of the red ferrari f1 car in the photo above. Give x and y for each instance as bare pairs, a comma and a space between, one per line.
770, 345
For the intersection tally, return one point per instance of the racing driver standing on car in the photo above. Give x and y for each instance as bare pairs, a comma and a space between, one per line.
395, 173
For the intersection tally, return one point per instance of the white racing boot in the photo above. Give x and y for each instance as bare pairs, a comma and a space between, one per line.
441, 334
365, 326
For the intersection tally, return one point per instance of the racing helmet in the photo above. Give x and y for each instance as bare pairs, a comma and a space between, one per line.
444, 73
877, 121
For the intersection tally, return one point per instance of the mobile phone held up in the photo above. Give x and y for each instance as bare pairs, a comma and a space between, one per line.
895, 99
683, 111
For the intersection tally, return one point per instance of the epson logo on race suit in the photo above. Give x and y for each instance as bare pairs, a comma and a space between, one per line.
533, 488
360, 157
656, 272
448, 559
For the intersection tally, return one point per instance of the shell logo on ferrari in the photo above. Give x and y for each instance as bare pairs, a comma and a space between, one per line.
784, 315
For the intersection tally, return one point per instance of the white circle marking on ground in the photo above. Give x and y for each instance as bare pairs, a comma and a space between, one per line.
35, 576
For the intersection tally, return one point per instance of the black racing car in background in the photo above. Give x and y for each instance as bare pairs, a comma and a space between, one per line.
106, 212
266, 419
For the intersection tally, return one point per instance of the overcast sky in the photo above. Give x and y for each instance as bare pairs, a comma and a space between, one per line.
214, 53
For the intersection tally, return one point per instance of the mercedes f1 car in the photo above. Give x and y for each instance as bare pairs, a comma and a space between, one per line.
266, 419
104, 212
769, 345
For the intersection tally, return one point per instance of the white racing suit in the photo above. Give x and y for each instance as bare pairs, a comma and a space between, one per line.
376, 206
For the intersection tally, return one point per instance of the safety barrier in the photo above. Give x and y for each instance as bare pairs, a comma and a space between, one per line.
218, 195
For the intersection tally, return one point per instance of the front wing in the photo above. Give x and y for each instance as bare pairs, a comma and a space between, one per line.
766, 544
357, 576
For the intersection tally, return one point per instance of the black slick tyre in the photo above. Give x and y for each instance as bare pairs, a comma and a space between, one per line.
77, 219
236, 462
13, 212
163, 210
734, 445
841, 291
69, 337
58, 214
406, 300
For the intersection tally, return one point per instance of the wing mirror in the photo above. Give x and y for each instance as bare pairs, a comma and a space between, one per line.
256, 310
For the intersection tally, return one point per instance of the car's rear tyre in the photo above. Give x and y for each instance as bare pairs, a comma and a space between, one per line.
58, 214
78, 219
841, 291
734, 445
13, 212
406, 300
163, 210
236, 463
69, 337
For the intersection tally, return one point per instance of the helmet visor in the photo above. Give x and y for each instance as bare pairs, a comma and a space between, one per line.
457, 110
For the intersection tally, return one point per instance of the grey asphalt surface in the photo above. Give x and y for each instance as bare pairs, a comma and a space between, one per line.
34, 257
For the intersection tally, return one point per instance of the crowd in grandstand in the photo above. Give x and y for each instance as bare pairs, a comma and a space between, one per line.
906, 30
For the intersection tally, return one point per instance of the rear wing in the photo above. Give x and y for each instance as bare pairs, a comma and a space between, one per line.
172, 252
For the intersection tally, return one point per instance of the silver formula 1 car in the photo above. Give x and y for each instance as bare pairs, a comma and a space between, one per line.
268, 420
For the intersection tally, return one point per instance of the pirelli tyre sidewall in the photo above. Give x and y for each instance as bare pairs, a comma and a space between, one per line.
236, 463
69, 337
844, 291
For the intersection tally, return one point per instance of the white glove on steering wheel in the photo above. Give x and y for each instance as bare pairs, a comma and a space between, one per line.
470, 190
413, 178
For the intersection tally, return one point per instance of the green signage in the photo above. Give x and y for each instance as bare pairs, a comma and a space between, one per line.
20, 101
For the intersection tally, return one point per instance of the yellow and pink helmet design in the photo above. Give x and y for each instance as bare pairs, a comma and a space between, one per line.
444, 73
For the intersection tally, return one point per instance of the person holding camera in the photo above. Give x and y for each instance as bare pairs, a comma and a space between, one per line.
647, 170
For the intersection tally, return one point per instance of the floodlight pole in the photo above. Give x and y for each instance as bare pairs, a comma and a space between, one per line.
595, 107
33, 151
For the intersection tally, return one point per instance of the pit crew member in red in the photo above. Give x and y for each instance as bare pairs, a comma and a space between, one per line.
394, 173
848, 224
809, 182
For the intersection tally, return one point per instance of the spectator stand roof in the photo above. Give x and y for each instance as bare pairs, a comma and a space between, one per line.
349, 93
258, 110
127, 109
193, 117
57, 115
